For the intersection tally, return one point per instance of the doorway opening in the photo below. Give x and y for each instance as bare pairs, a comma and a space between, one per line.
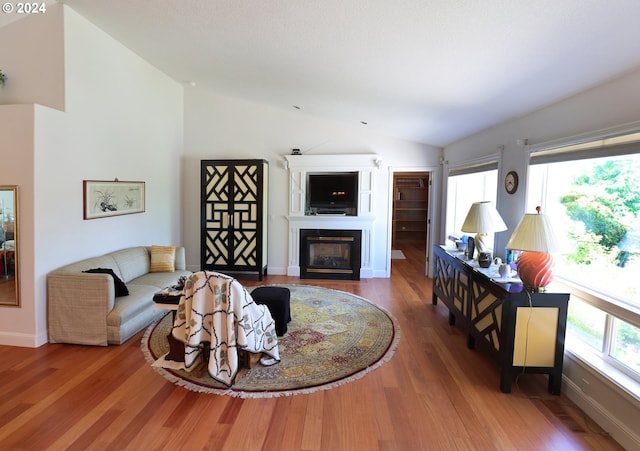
410, 216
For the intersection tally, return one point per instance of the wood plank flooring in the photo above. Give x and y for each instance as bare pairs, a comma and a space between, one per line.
435, 394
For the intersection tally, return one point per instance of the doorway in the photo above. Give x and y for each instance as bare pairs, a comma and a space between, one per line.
410, 221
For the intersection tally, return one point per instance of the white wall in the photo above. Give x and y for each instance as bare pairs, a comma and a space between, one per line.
610, 105
221, 127
32, 58
18, 324
123, 118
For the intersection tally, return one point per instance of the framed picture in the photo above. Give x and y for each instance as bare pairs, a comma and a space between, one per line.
112, 198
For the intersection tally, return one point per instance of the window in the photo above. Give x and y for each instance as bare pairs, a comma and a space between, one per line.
592, 192
466, 185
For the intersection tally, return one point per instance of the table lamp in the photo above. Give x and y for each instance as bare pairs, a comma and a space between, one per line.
482, 219
536, 238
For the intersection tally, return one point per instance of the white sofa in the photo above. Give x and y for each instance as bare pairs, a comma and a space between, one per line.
82, 308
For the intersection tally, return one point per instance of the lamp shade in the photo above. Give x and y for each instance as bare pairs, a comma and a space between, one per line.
534, 233
535, 236
483, 218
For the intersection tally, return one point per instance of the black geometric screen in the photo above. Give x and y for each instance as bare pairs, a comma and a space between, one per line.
230, 215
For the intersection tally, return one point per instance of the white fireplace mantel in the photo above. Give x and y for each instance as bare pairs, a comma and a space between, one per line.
299, 166
331, 222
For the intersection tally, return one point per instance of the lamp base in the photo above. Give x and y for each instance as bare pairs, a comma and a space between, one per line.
535, 270
531, 289
482, 242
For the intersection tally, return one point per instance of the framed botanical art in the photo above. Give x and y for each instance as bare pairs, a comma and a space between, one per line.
112, 198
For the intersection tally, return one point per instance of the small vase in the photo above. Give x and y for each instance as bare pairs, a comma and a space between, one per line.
484, 259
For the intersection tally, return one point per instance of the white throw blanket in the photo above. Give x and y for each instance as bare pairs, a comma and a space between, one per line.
217, 309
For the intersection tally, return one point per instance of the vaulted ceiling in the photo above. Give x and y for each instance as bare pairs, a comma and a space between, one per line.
431, 71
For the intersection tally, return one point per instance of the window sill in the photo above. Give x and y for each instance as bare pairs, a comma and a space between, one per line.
605, 370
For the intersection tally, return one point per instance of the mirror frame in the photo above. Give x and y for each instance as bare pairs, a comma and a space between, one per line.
16, 275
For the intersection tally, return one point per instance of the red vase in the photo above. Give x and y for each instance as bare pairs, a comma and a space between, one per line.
535, 269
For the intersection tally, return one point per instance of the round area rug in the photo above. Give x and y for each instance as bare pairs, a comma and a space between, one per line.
334, 337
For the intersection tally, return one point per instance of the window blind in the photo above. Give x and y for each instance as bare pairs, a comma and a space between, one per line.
602, 147
473, 168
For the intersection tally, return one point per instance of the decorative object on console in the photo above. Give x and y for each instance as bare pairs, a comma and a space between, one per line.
482, 219
471, 248
484, 259
534, 236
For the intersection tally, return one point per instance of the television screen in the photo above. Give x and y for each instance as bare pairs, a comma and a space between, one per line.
335, 190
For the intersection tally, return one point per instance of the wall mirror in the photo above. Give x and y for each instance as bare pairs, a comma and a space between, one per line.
9, 285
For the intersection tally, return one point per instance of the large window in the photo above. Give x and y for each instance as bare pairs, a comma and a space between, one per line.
466, 185
592, 192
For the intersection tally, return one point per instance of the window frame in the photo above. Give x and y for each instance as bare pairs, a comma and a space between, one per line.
610, 142
487, 163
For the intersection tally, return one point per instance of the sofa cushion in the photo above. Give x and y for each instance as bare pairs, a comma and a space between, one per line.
159, 279
163, 259
139, 300
181, 259
118, 284
133, 262
104, 261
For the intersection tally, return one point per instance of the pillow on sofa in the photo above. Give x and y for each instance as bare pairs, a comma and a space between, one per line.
163, 259
118, 284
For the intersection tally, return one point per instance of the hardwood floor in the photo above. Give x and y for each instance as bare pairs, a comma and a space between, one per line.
435, 394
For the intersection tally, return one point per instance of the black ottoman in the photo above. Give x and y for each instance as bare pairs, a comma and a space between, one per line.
277, 300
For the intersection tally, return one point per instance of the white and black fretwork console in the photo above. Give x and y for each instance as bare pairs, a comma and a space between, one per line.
524, 331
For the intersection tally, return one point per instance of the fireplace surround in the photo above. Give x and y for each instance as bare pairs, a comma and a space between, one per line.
330, 254
300, 217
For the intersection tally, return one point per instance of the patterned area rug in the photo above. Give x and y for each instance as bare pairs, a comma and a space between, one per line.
333, 338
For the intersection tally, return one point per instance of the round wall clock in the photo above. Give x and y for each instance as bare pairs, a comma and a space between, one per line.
511, 182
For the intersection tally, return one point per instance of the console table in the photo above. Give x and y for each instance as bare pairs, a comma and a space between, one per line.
524, 331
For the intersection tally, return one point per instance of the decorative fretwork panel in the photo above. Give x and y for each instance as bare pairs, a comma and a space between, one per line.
233, 213
245, 248
442, 277
246, 184
486, 313
460, 291
216, 194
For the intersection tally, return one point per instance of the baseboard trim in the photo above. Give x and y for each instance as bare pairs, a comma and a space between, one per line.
21, 340
627, 438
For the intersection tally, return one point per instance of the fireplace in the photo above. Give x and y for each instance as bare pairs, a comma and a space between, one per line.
330, 254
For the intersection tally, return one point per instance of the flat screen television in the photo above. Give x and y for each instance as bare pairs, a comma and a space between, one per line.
333, 191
